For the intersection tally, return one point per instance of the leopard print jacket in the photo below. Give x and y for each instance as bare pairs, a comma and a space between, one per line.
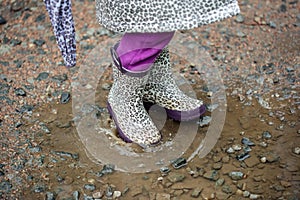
138, 16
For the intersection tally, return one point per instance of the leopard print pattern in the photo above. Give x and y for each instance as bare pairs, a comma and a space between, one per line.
125, 100
61, 18
161, 87
162, 16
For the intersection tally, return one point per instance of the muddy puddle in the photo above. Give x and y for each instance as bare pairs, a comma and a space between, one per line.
256, 155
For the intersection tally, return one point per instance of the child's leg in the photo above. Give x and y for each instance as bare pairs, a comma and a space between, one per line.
138, 51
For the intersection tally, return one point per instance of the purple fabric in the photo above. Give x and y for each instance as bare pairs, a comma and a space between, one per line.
138, 51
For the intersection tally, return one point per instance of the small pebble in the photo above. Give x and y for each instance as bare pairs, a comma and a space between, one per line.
39, 42
297, 150
178, 163
263, 144
240, 18
246, 194
20, 92
236, 147
266, 135
263, 160
236, 175
50, 196
76, 195
254, 196
117, 194
90, 187
2, 20
230, 150
272, 24
247, 141
97, 195
109, 191
42, 76
65, 97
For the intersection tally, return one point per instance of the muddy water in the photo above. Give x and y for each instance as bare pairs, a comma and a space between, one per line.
271, 171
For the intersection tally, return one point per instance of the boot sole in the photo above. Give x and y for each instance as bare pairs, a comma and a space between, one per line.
181, 115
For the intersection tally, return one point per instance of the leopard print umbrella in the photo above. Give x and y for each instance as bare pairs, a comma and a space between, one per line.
60, 14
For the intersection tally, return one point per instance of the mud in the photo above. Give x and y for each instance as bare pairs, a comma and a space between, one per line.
271, 171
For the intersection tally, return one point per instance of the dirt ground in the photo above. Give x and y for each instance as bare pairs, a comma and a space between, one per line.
43, 156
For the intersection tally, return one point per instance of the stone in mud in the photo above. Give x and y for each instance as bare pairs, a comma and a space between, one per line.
272, 157
90, 187
106, 86
38, 188
65, 97
254, 196
243, 156
165, 170
220, 182
85, 197
226, 159
240, 18
178, 163
20, 92
266, 135
252, 161
163, 196
50, 196
227, 189
44, 128
107, 169
272, 24
196, 192
212, 175
76, 195
297, 150
278, 188
66, 154
42, 76
109, 191
217, 165
136, 191
5, 186
2, 20
39, 42
117, 194
244, 122
68, 180
236, 175
230, 150
285, 184
247, 142
97, 195
175, 177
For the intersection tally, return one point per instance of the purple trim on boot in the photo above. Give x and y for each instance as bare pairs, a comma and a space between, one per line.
181, 115
186, 115
118, 64
121, 134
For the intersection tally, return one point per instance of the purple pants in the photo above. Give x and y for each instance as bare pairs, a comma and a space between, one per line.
138, 51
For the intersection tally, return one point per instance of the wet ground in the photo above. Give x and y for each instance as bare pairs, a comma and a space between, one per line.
256, 157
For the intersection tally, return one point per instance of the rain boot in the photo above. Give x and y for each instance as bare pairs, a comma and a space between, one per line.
162, 90
125, 105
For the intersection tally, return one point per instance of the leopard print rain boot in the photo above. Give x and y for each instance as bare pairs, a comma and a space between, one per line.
125, 105
162, 90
